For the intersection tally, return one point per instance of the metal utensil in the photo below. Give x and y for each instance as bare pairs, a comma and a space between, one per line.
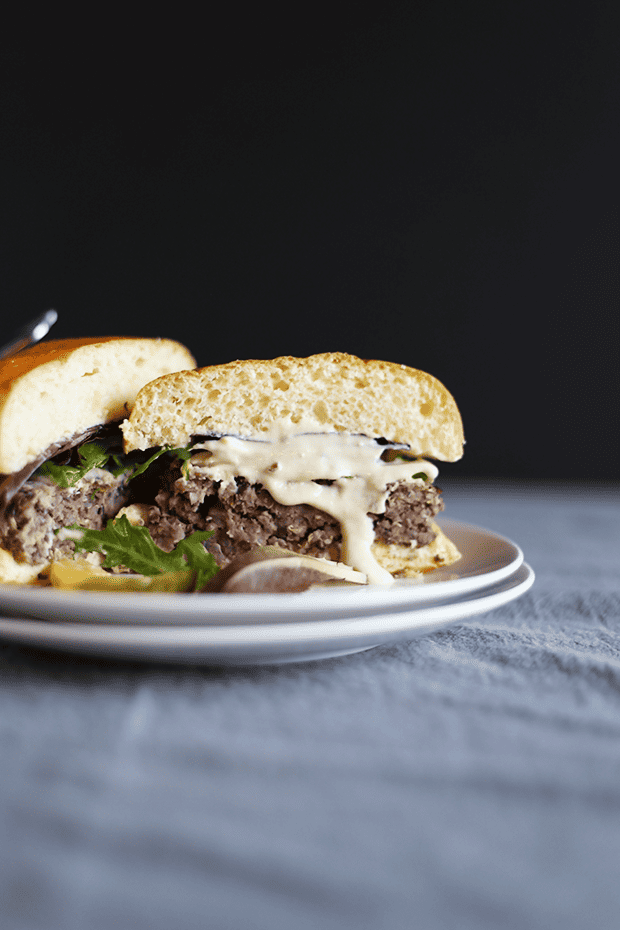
33, 332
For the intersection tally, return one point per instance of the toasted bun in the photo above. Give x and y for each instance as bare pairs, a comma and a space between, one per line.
407, 562
59, 388
322, 393
12, 572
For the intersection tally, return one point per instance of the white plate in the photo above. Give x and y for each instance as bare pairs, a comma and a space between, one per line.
249, 629
263, 643
487, 558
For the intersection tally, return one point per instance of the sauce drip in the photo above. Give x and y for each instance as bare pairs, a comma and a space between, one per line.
290, 466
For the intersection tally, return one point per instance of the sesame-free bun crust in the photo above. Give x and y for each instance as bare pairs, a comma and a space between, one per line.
323, 393
12, 572
59, 388
410, 561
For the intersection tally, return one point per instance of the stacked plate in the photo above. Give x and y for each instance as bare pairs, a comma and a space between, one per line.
248, 629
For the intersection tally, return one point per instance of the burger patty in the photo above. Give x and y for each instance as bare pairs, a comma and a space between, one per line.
27, 526
243, 515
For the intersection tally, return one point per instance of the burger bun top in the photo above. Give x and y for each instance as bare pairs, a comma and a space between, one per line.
59, 388
330, 392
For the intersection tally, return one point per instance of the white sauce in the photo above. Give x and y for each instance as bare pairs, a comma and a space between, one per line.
288, 467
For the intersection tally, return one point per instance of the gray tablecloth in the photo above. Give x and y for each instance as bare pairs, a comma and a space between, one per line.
468, 779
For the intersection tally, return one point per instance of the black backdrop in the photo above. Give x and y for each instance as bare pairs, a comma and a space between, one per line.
431, 183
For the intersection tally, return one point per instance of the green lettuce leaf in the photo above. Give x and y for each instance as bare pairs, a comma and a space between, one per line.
183, 454
91, 455
132, 546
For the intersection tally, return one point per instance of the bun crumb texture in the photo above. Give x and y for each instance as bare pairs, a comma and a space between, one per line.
329, 392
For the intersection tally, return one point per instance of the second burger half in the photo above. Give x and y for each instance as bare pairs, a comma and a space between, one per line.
327, 456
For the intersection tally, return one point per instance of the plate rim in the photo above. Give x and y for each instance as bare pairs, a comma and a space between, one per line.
297, 640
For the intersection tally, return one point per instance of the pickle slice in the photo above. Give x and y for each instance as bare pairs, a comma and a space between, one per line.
80, 575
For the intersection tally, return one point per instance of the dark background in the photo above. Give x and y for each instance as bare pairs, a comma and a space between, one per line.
430, 183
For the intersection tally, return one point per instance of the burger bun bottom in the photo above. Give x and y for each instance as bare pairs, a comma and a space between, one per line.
12, 572
408, 561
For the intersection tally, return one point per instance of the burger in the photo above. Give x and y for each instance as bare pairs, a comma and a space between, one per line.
61, 456
327, 456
